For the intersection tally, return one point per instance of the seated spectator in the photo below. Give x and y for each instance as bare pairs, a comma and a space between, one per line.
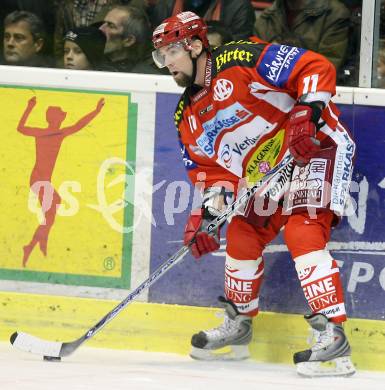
75, 13
84, 49
128, 44
236, 15
44, 9
321, 26
380, 82
23, 40
217, 34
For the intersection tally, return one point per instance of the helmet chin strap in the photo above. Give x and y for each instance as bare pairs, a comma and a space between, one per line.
195, 66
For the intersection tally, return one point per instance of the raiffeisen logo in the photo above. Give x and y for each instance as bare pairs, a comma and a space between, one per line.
224, 119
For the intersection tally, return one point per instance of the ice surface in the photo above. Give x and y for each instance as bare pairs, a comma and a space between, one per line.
101, 369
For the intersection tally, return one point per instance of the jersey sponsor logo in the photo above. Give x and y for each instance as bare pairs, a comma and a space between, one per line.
206, 110
239, 291
278, 62
223, 89
235, 284
342, 174
239, 148
208, 69
267, 153
226, 156
304, 273
188, 163
241, 140
319, 287
321, 294
242, 57
331, 312
264, 167
224, 119
307, 185
348, 162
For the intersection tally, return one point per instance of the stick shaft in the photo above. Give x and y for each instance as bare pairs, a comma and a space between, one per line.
32, 344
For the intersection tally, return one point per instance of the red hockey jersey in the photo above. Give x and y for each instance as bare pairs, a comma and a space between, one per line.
234, 127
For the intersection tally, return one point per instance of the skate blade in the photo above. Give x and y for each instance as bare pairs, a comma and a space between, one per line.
341, 366
231, 353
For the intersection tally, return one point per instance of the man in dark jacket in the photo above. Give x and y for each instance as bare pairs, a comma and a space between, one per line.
321, 26
128, 45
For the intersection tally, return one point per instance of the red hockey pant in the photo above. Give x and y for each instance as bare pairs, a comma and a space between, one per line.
302, 236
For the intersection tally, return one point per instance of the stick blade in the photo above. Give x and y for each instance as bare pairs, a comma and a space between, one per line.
27, 343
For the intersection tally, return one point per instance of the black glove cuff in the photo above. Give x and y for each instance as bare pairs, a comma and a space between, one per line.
316, 111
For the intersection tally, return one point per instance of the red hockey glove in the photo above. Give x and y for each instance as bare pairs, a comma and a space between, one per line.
195, 227
302, 130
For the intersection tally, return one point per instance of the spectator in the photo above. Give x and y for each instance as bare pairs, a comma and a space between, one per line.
382, 19
84, 49
380, 82
128, 44
348, 72
23, 41
217, 34
44, 9
321, 26
236, 15
141, 4
75, 13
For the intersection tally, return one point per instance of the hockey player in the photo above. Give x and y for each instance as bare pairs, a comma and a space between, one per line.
245, 107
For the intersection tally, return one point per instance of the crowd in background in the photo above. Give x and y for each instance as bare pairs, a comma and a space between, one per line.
115, 35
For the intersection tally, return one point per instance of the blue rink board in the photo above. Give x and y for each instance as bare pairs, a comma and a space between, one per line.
359, 241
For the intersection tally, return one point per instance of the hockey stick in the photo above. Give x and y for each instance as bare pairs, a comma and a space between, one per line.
55, 350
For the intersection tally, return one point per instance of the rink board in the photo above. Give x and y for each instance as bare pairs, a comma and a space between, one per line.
168, 328
84, 176
358, 242
145, 190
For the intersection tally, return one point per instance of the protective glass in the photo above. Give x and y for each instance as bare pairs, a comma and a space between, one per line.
167, 54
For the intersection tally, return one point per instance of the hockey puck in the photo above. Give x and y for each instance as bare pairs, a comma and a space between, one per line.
52, 358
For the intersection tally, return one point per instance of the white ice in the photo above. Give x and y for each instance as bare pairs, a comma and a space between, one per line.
101, 369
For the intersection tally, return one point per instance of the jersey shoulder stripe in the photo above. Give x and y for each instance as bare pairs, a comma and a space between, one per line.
241, 53
182, 104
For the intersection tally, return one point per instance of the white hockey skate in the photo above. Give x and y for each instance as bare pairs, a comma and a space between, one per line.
229, 341
330, 355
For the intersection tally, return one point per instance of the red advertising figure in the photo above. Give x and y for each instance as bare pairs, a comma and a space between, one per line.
48, 143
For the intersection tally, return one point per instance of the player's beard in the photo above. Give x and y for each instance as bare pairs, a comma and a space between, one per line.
183, 80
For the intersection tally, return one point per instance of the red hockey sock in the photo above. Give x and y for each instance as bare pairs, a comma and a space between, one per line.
243, 279
321, 284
